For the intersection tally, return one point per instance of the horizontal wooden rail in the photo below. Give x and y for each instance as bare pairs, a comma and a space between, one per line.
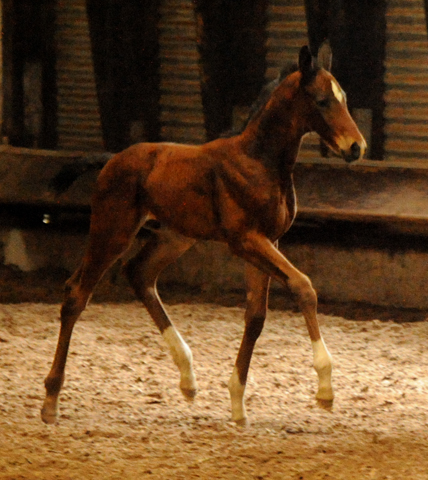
365, 191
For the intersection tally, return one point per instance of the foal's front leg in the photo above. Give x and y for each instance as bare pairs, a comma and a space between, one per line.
263, 254
257, 285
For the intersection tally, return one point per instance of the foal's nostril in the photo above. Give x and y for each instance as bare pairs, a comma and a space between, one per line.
355, 151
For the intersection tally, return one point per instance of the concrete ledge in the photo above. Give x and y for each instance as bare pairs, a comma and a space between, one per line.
26, 177
379, 272
338, 273
341, 272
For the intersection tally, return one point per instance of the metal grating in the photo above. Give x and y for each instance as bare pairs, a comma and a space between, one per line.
79, 125
287, 32
182, 118
406, 97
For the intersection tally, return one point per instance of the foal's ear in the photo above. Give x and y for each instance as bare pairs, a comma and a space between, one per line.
306, 62
325, 56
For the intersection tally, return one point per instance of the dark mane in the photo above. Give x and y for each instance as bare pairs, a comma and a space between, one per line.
262, 99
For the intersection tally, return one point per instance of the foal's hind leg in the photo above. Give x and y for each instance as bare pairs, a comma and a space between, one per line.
255, 314
162, 249
112, 231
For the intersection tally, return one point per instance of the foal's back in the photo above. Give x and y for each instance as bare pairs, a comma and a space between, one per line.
174, 183
196, 190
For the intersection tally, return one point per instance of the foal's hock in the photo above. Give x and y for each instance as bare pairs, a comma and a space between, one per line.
238, 190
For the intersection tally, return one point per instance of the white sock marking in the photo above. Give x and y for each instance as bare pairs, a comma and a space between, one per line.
182, 356
237, 390
323, 366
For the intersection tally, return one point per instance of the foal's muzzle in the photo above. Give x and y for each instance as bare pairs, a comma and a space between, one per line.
354, 153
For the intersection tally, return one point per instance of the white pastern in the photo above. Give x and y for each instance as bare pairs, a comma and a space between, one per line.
323, 366
337, 91
237, 390
182, 356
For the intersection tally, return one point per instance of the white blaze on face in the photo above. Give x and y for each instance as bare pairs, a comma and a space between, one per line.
337, 91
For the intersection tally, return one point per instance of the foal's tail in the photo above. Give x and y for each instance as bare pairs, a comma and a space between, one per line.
70, 172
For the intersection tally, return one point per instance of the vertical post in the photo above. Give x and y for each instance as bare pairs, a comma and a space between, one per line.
231, 40
1, 66
8, 71
212, 19
48, 137
357, 33
363, 64
317, 19
125, 50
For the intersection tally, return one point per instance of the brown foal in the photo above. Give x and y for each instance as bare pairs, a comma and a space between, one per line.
237, 190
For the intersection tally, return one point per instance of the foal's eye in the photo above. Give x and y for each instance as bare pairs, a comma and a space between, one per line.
323, 103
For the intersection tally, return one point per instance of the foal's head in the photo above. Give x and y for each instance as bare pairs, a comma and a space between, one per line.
325, 105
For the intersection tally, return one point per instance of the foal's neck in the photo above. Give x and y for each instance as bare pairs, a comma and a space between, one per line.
275, 134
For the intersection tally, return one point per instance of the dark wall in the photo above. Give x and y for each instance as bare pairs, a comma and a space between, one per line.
232, 45
125, 48
29, 73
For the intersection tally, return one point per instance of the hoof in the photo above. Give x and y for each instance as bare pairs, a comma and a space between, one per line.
241, 422
325, 397
49, 417
189, 393
325, 404
49, 412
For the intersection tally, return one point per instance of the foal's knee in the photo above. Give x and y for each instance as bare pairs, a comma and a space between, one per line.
304, 291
